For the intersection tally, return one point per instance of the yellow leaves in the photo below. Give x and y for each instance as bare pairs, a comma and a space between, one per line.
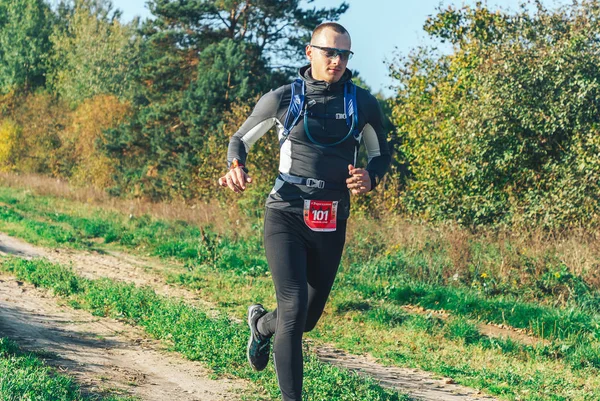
42, 135
9, 136
89, 120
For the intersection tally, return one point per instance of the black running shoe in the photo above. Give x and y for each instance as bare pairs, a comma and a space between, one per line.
258, 346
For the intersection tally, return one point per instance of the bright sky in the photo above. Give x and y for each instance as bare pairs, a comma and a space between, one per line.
379, 28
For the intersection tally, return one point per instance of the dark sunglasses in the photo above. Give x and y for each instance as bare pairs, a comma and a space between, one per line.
332, 52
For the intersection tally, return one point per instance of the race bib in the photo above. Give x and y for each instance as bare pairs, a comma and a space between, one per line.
320, 215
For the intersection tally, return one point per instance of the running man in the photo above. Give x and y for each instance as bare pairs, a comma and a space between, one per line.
306, 212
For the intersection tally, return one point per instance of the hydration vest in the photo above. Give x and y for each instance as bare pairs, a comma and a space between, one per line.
298, 108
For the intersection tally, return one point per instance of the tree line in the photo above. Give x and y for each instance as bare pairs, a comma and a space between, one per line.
502, 129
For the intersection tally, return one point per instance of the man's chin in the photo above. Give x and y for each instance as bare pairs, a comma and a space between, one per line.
334, 76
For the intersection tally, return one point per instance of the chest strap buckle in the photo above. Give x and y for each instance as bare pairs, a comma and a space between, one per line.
314, 183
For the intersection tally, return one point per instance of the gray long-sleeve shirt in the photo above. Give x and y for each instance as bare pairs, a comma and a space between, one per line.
301, 157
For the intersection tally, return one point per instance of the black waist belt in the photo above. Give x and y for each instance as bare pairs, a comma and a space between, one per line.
312, 182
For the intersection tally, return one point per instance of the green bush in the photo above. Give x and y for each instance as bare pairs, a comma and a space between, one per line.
93, 53
505, 128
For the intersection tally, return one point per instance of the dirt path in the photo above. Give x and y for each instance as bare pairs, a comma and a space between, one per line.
418, 384
103, 353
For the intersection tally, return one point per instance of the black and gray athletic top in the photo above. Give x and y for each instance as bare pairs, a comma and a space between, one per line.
301, 157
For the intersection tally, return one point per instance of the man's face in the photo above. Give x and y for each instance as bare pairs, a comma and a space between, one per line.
324, 68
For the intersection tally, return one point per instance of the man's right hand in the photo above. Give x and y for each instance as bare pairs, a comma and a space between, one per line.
235, 179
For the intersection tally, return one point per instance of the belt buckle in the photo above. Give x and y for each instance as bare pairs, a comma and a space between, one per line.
314, 183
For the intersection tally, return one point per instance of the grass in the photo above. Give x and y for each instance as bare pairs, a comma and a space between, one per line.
539, 267
349, 311
231, 271
23, 216
503, 368
24, 376
541, 320
243, 253
198, 247
217, 342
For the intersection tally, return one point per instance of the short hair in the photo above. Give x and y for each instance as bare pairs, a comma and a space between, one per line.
331, 25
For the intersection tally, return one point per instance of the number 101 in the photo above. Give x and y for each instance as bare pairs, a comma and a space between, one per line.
320, 215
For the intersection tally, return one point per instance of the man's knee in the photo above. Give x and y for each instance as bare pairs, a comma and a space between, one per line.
292, 312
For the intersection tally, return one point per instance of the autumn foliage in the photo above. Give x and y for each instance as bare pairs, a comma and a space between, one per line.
499, 130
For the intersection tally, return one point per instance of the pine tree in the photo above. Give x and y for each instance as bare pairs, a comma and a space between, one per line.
198, 58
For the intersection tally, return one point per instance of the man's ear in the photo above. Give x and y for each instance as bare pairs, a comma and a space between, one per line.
308, 51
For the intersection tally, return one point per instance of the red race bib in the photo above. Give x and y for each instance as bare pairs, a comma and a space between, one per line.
320, 215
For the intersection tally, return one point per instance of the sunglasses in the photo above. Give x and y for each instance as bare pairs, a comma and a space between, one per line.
332, 52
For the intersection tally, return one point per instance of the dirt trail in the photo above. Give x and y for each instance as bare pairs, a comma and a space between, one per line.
103, 353
418, 384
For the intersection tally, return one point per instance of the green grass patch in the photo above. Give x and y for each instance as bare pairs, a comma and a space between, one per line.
47, 225
417, 340
361, 325
24, 376
371, 287
542, 320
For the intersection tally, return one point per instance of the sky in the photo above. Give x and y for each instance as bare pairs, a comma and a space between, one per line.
381, 30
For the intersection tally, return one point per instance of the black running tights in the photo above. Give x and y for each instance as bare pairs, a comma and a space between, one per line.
303, 264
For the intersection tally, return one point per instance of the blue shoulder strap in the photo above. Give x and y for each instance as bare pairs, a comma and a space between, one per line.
294, 109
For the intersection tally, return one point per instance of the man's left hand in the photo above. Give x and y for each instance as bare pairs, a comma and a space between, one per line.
359, 181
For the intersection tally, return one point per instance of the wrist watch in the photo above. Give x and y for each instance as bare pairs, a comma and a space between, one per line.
235, 164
